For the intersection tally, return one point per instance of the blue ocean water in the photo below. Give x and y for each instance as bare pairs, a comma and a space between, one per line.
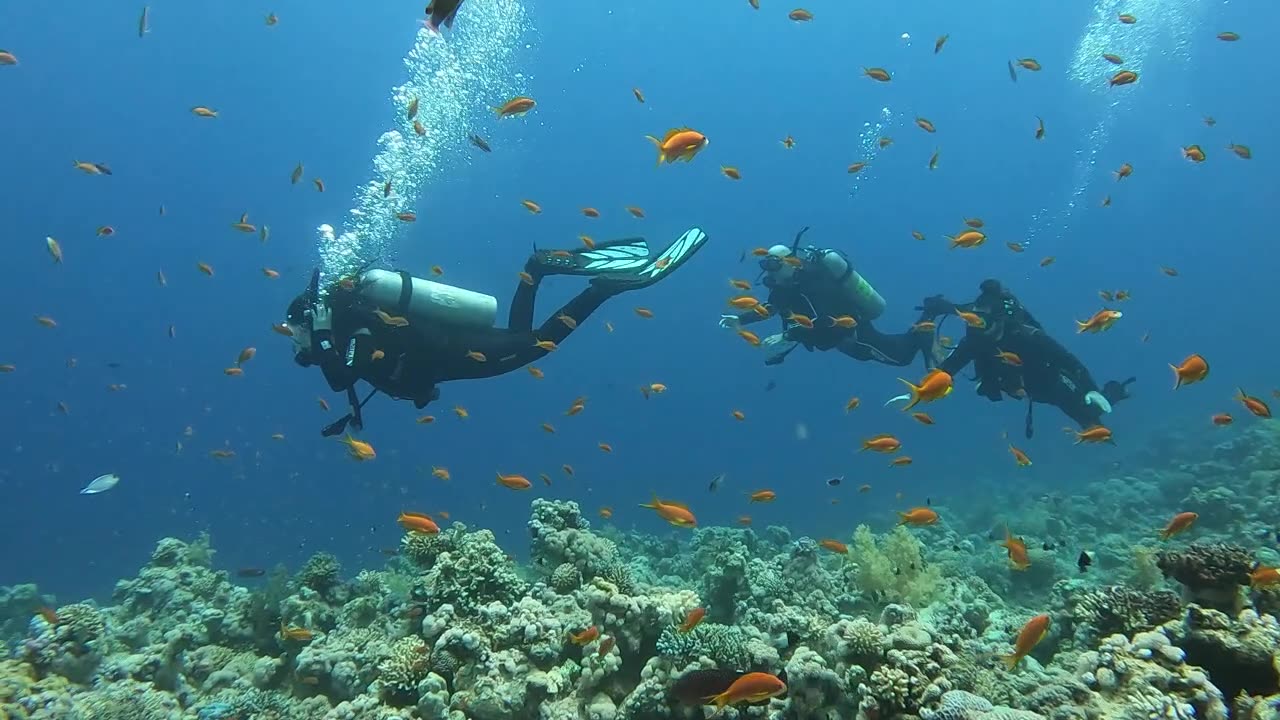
315, 89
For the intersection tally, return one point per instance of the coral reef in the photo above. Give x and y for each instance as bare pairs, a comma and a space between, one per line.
1211, 574
1117, 609
909, 624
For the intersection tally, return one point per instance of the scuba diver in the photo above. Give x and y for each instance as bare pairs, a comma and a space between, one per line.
820, 285
1013, 355
406, 335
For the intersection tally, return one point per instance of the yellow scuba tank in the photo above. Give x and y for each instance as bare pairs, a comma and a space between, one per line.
427, 299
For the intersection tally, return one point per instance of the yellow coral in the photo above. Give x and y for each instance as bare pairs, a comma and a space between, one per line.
894, 567
1146, 574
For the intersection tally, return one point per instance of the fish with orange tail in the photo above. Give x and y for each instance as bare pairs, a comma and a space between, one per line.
585, 636
1255, 406
918, 516
692, 619
1179, 524
418, 523
834, 546
753, 687
1028, 637
1264, 576
1093, 434
679, 144
1192, 370
1017, 548
675, 513
883, 443
1101, 320
358, 449
935, 386
514, 482
1019, 456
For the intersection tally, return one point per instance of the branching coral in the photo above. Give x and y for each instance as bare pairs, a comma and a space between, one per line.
320, 573
474, 573
405, 666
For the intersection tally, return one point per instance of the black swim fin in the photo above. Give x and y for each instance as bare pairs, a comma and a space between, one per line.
604, 257
656, 268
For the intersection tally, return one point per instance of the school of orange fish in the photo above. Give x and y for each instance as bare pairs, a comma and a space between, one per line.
685, 144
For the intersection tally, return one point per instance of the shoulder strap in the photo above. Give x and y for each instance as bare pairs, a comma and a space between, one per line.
406, 292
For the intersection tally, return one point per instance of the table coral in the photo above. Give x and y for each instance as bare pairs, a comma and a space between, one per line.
1210, 573
1117, 609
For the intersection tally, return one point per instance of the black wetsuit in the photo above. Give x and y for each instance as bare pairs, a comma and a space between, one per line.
418, 356
1049, 373
820, 297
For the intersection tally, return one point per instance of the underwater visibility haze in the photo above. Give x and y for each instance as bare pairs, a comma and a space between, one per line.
888, 360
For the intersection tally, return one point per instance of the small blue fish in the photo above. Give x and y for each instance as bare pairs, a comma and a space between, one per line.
101, 484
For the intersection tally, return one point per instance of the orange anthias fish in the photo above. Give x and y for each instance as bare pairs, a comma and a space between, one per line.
834, 546
1192, 370
1094, 434
515, 482
882, 443
918, 516
1179, 524
935, 386
295, 633
1253, 405
692, 619
972, 319
1101, 320
679, 144
585, 636
358, 449
1019, 456
1017, 551
763, 496
674, 513
967, 239
1028, 637
418, 523
1264, 576
515, 107
753, 687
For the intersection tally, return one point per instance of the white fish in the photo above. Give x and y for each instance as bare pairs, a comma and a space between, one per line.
101, 484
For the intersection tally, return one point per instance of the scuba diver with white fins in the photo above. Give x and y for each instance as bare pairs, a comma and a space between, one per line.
405, 335
825, 304
1013, 355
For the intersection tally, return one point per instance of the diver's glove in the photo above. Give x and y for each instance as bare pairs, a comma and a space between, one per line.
321, 318
936, 305
730, 322
776, 348
1096, 399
